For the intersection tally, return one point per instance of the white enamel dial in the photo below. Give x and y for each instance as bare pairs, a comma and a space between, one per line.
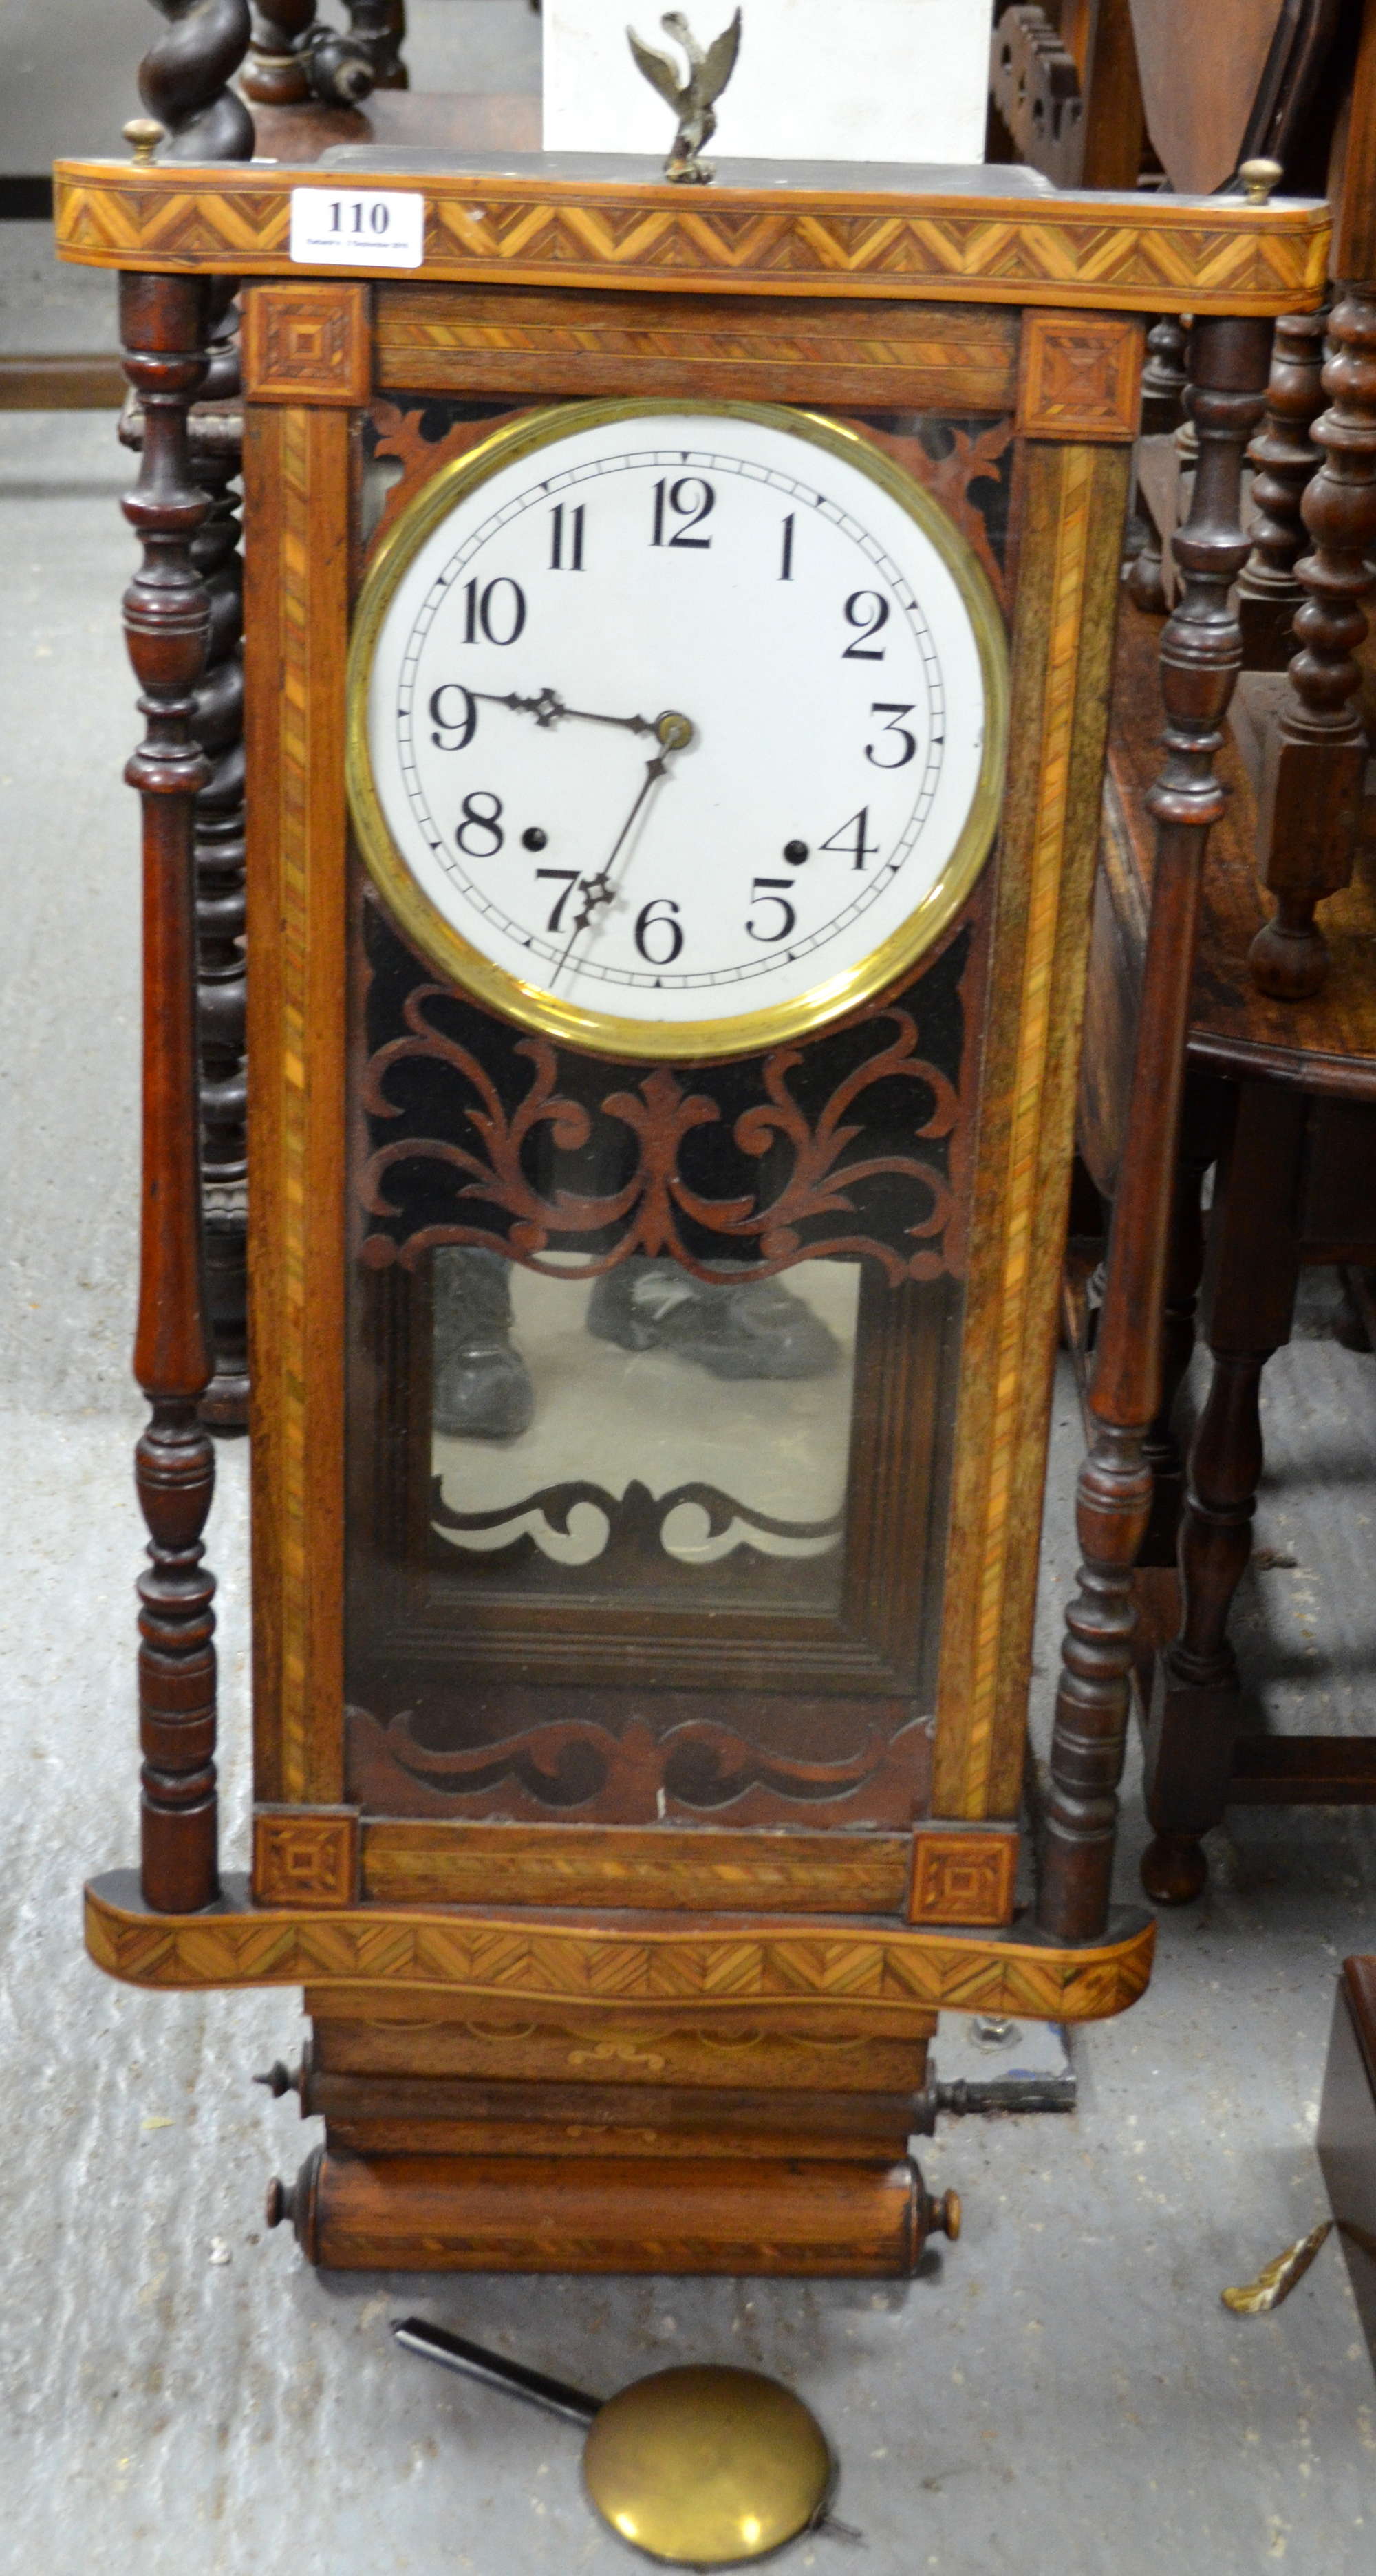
681, 730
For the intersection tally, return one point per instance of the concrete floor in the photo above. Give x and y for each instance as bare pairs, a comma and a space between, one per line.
1060, 2391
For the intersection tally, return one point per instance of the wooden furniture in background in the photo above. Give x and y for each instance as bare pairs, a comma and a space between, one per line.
1198, 660
1230, 83
1064, 92
1310, 815
1282, 1097
1315, 486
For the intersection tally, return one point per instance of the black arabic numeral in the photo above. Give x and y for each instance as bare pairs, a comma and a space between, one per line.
458, 729
886, 707
857, 847
691, 500
573, 528
661, 913
869, 611
568, 879
774, 891
486, 824
485, 611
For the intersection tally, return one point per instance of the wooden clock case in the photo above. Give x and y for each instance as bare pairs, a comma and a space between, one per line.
681, 2022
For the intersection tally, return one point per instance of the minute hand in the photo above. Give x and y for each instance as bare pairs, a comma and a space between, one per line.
675, 732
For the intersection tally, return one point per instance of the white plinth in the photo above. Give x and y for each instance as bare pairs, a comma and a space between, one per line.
845, 80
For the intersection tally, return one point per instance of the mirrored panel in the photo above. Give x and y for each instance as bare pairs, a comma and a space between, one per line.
658, 1433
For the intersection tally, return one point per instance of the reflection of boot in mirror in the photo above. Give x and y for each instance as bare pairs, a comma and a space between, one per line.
482, 1385
750, 1327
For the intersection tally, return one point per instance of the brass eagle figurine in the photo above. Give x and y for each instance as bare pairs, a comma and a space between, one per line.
693, 100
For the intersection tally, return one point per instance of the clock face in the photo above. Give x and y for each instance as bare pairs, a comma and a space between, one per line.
675, 731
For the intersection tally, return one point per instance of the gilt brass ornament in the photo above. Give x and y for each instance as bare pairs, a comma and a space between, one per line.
693, 100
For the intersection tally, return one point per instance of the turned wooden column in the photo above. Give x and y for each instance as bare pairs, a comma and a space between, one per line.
1165, 375
167, 626
275, 74
294, 56
1284, 456
1309, 810
1200, 657
380, 27
216, 444
184, 80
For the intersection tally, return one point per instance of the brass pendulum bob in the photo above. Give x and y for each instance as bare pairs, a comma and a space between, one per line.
703, 2467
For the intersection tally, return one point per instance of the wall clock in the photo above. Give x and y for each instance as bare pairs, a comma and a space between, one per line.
673, 883
678, 640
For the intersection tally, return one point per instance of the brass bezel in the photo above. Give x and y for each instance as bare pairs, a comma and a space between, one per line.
605, 1033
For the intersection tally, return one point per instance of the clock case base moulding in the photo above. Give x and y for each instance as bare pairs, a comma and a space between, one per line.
452, 2030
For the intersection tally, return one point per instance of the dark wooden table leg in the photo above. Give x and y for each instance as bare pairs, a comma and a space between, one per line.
167, 625
1198, 1148
1200, 656
1253, 1275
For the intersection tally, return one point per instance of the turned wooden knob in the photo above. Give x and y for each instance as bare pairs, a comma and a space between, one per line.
279, 2079
945, 2216
1258, 179
299, 2203
143, 134
280, 2202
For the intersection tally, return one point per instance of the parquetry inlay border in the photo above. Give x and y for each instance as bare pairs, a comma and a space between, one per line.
543, 1961
1149, 254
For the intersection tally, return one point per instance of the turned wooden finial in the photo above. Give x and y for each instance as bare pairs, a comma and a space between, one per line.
1259, 179
143, 134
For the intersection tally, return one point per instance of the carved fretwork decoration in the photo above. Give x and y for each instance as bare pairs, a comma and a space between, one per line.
966, 464
635, 1522
700, 1768
1036, 89
482, 1136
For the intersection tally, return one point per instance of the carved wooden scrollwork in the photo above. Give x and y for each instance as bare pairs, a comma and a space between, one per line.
483, 1137
700, 1768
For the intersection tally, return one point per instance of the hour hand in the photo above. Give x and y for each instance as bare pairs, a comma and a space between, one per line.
548, 708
